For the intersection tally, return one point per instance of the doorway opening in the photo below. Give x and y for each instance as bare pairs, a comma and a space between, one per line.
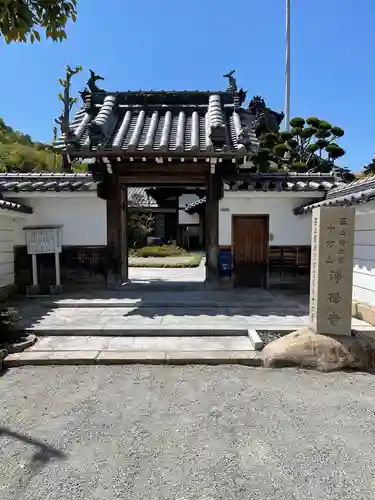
165, 239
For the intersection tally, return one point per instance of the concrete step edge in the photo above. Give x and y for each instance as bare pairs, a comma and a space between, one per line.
51, 358
139, 332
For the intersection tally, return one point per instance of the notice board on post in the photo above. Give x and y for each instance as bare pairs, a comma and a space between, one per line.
43, 239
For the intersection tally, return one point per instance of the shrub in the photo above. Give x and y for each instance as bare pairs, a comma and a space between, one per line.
159, 251
8, 319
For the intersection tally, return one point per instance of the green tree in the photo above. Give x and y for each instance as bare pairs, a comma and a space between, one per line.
19, 152
66, 99
22, 20
68, 103
310, 145
140, 222
18, 157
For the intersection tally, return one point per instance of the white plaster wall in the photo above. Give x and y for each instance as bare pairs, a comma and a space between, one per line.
183, 217
285, 228
364, 258
84, 217
186, 199
7, 234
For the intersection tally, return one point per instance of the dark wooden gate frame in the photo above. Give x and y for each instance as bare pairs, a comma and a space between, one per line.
255, 216
183, 175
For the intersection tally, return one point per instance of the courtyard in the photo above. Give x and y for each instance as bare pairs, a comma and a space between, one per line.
166, 301
211, 433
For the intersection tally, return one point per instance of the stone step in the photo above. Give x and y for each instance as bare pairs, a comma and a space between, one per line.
173, 303
249, 358
176, 343
175, 331
145, 350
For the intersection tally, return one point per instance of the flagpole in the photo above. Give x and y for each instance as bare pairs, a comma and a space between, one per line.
287, 66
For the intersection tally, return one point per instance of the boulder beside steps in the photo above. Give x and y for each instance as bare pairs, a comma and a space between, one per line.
306, 349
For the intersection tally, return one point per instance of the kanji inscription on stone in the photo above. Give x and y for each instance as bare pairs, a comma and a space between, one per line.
331, 277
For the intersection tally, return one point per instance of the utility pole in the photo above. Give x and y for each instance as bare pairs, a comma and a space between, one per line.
287, 66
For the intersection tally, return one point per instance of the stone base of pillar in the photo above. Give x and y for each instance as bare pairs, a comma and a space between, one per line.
33, 290
113, 281
56, 289
226, 283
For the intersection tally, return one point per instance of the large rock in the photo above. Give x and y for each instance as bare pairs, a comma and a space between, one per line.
307, 349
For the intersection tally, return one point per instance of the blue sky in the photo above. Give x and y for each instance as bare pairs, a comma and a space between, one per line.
159, 45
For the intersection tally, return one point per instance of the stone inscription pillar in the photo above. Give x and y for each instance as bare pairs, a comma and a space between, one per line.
331, 278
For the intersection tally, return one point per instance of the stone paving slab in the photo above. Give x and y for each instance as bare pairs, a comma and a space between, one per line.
105, 350
188, 313
127, 297
51, 358
154, 261
251, 358
126, 357
79, 343
113, 324
192, 343
148, 275
30, 358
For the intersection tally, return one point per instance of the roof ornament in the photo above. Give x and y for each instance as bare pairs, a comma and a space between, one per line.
266, 120
232, 83
241, 94
244, 136
257, 105
91, 82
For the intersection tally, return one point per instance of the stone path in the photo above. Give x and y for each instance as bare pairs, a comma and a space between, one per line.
163, 313
189, 276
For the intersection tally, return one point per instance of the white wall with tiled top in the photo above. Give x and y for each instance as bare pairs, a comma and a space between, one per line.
83, 217
285, 228
7, 234
364, 257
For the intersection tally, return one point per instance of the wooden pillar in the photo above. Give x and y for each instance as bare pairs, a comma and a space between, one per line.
212, 227
124, 233
35, 269
57, 269
112, 195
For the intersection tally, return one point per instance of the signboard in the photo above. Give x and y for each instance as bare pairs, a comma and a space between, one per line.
332, 270
42, 240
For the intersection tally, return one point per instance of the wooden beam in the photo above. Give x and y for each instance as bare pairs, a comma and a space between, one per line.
162, 180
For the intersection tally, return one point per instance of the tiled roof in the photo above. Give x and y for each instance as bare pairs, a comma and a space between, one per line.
15, 207
273, 182
353, 193
46, 182
292, 181
195, 206
139, 197
357, 186
194, 123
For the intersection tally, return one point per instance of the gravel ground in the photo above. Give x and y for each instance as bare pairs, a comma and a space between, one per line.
186, 433
268, 336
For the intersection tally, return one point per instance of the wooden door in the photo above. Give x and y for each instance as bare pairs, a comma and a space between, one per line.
250, 250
